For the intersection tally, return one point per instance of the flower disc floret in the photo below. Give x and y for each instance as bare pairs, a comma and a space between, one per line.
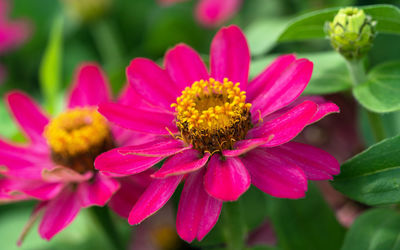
77, 136
212, 115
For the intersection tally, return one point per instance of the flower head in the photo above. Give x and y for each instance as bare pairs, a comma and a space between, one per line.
219, 132
12, 33
212, 13
56, 166
351, 32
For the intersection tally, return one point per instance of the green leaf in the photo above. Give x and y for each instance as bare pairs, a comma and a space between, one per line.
373, 176
381, 93
330, 74
50, 68
305, 224
263, 34
374, 230
311, 25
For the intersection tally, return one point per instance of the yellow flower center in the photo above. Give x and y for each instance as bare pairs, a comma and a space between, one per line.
77, 136
212, 115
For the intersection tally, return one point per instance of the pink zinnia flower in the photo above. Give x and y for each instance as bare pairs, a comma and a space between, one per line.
220, 132
211, 13
12, 33
56, 166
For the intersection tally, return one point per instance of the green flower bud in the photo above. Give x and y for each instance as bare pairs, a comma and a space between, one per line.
87, 10
351, 32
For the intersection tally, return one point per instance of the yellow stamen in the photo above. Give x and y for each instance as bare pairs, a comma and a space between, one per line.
212, 115
77, 136
76, 131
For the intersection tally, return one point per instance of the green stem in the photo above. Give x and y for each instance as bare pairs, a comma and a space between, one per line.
358, 76
107, 43
102, 217
234, 228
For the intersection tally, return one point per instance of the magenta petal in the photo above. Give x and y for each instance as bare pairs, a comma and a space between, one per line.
185, 66
28, 114
269, 76
197, 211
324, 108
155, 196
284, 90
22, 162
114, 162
135, 159
152, 82
129, 97
90, 88
161, 147
59, 213
39, 189
131, 189
274, 175
316, 163
230, 56
140, 120
243, 146
98, 191
214, 12
287, 126
182, 163
226, 179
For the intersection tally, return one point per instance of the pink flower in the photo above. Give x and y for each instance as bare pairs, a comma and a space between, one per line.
56, 165
12, 33
221, 132
211, 13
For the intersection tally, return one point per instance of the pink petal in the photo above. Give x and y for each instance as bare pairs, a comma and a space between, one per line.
59, 213
90, 88
29, 116
182, 163
226, 179
98, 191
243, 146
230, 56
214, 12
64, 174
287, 126
274, 175
269, 76
152, 83
155, 196
39, 189
130, 97
197, 211
324, 108
161, 147
114, 162
23, 161
131, 189
140, 120
284, 90
185, 66
316, 163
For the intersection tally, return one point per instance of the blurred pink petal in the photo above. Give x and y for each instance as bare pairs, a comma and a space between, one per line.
215, 12
197, 212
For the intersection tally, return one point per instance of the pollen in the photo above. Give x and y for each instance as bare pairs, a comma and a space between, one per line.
212, 115
77, 136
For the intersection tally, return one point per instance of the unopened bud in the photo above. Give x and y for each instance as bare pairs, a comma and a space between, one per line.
87, 10
351, 32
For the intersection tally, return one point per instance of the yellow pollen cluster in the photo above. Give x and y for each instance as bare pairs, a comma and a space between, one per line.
76, 131
211, 104
212, 115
